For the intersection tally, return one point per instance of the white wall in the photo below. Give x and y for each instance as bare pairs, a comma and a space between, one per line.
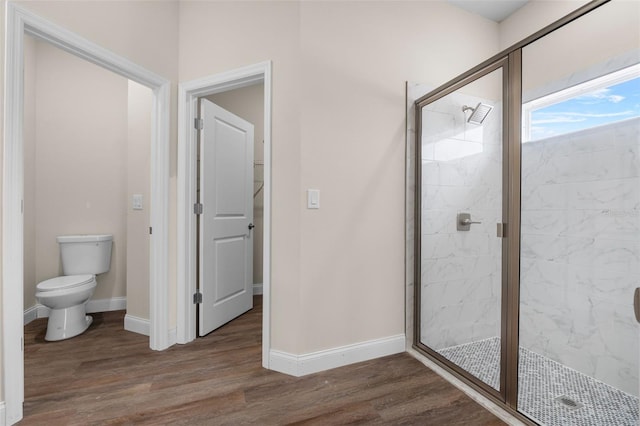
580, 252
461, 270
248, 103
579, 196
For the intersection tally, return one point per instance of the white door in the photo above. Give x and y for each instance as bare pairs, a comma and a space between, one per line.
226, 195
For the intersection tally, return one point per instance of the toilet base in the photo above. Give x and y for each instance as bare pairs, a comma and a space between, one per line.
67, 323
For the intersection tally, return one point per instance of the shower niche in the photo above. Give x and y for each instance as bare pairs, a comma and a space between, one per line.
527, 232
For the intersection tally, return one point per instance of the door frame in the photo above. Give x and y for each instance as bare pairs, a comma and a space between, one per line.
20, 21
188, 94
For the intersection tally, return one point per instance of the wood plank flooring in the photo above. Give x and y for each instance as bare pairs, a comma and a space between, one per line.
108, 376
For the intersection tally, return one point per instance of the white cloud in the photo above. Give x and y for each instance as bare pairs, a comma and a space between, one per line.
601, 95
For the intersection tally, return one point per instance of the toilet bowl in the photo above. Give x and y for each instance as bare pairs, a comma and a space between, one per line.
66, 297
83, 257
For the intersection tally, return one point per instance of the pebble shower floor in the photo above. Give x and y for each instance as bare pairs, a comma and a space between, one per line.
544, 383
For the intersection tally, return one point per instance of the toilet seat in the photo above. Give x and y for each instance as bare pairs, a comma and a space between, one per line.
65, 282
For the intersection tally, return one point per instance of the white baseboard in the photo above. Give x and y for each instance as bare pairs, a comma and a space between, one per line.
136, 325
107, 305
30, 314
301, 365
143, 326
257, 289
99, 305
3, 414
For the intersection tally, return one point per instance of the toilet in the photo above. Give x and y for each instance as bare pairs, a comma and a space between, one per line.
83, 257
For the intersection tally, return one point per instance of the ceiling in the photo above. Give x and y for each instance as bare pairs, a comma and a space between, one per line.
496, 10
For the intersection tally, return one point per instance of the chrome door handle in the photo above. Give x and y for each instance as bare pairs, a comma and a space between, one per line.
463, 221
467, 222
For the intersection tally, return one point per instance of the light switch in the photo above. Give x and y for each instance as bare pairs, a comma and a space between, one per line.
313, 198
137, 202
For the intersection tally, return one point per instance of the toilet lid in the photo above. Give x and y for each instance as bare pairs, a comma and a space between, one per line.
64, 282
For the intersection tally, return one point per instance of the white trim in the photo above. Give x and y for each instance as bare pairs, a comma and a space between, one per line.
31, 314
257, 289
98, 305
136, 324
188, 94
107, 305
173, 336
301, 365
20, 21
3, 414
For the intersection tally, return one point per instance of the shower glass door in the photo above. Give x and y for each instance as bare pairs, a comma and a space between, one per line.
459, 275
580, 221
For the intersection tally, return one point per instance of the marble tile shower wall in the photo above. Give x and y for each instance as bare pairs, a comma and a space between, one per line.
581, 251
461, 172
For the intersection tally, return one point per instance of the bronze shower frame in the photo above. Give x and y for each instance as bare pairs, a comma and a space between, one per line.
510, 61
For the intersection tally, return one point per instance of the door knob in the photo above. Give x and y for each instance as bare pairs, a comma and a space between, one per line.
251, 226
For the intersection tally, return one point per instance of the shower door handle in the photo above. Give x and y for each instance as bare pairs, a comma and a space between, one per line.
464, 222
636, 303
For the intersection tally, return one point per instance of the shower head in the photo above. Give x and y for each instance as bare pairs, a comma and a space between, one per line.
478, 114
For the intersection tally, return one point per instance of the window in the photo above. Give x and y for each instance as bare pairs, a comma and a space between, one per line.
603, 100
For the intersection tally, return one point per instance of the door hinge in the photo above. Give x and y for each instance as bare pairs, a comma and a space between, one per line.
197, 208
501, 230
198, 123
197, 298
150, 230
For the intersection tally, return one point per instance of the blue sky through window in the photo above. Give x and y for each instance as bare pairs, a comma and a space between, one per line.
597, 107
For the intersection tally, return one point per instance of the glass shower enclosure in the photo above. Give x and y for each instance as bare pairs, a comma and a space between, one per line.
527, 242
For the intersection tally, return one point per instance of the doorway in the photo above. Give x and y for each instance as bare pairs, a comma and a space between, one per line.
189, 94
20, 22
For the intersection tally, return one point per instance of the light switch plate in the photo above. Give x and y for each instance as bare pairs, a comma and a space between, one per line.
136, 202
313, 198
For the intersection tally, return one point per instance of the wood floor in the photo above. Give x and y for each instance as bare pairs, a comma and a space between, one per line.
110, 376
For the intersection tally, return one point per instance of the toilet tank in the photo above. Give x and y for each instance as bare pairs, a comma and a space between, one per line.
85, 254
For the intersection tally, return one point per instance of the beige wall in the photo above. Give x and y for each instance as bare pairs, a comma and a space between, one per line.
338, 125
144, 32
107, 143
338, 120
534, 16
79, 164
248, 103
140, 100
29, 135
605, 40
270, 31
